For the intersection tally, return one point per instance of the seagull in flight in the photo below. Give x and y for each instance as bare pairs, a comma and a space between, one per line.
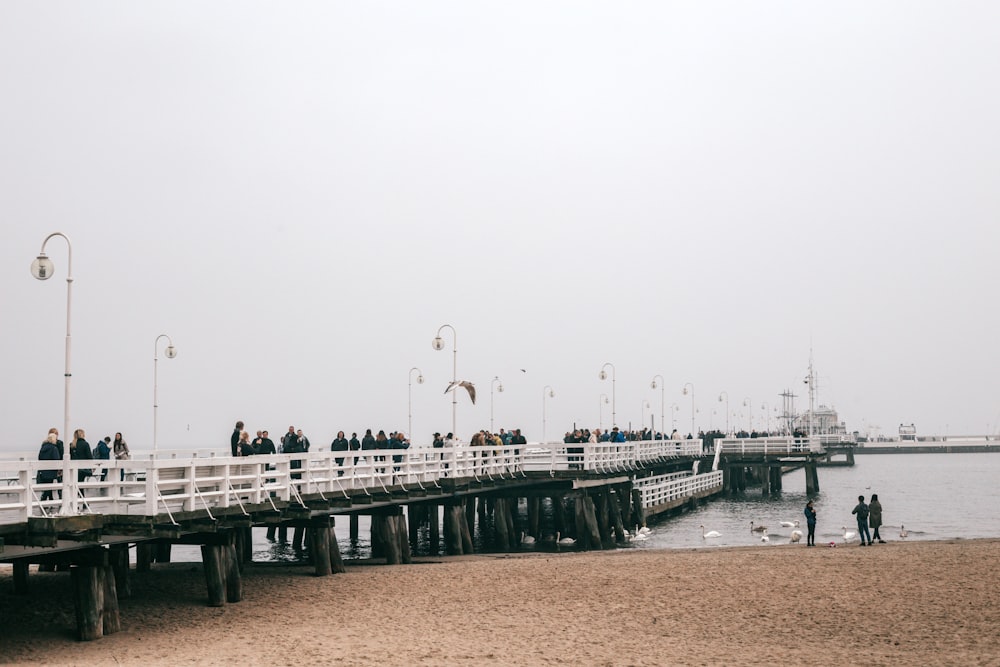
471, 388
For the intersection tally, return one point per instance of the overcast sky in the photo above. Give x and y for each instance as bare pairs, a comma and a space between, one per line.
301, 194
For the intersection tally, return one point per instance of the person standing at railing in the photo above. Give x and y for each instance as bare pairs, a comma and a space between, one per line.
80, 450
243, 446
381, 442
354, 445
303, 440
120, 449
234, 439
103, 452
398, 441
339, 444
264, 444
48, 452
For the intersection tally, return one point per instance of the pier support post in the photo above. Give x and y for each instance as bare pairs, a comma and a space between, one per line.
118, 557
215, 577
319, 532
163, 552
143, 556
638, 513
452, 530
534, 504
88, 599
812, 478
21, 577
615, 511
465, 529
434, 530
354, 528
112, 619
336, 562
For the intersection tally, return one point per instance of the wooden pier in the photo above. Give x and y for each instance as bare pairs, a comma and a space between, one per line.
594, 494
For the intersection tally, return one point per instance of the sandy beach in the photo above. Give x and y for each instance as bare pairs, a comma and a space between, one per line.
926, 603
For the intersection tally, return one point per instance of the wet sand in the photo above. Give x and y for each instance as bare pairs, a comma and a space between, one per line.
926, 603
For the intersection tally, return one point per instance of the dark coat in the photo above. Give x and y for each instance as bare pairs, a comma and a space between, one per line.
875, 514
340, 445
48, 452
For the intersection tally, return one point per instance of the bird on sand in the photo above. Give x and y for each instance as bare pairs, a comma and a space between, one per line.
471, 388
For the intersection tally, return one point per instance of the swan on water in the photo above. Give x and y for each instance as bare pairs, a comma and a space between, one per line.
764, 537
527, 539
848, 534
789, 524
903, 532
757, 529
796, 535
639, 537
565, 541
644, 530
711, 533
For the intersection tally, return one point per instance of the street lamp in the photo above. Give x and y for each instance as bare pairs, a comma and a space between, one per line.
409, 397
604, 376
170, 353
42, 269
663, 389
767, 421
749, 405
600, 410
685, 392
496, 380
726, 394
645, 404
438, 344
546, 391
674, 409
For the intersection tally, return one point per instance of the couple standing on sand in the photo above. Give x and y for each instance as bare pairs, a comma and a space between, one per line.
869, 515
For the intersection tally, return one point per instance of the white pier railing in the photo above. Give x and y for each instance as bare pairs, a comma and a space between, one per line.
782, 445
169, 482
662, 489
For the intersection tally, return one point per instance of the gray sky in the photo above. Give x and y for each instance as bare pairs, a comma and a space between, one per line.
300, 194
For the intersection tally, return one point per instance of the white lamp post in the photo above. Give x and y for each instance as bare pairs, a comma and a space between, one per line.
604, 376
170, 353
674, 409
726, 394
546, 391
600, 410
685, 392
645, 404
663, 389
767, 422
749, 405
42, 269
438, 344
409, 397
493, 383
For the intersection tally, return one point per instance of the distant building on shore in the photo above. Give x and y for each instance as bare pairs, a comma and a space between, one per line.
824, 421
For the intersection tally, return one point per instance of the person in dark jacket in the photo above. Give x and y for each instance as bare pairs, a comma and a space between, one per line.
80, 450
355, 445
340, 444
103, 451
810, 513
234, 439
861, 511
875, 518
243, 446
264, 445
398, 441
48, 452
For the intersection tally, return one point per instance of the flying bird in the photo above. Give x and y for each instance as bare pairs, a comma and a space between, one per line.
471, 388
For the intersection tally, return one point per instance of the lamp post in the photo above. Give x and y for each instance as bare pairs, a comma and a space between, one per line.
600, 410
495, 381
546, 391
42, 269
726, 394
674, 409
767, 421
663, 389
409, 398
170, 353
749, 405
604, 376
685, 392
438, 344
645, 404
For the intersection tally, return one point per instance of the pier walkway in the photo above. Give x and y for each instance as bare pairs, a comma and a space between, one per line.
594, 493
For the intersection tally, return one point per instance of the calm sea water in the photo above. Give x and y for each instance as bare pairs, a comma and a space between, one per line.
936, 496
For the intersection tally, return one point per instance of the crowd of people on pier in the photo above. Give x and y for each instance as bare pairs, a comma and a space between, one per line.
53, 449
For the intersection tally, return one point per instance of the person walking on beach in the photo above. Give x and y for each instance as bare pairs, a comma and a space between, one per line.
861, 511
875, 518
810, 513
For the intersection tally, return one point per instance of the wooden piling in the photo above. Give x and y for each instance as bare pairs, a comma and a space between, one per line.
21, 577
163, 552
534, 505
215, 574
465, 532
638, 513
118, 557
500, 530
143, 556
354, 528
812, 478
336, 562
452, 530
297, 536
319, 545
111, 618
615, 512
88, 600
434, 533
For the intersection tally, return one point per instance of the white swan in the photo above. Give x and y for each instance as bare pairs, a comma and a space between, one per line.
796, 535
848, 534
565, 541
764, 537
527, 539
644, 530
903, 533
711, 533
789, 524
757, 529
639, 537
